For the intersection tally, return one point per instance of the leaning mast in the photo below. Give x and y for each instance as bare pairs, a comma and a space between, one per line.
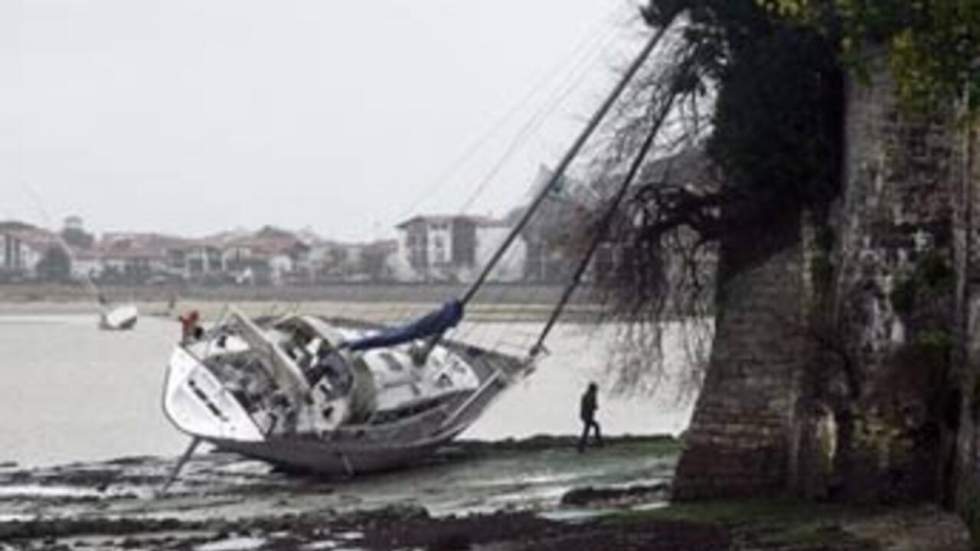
559, 173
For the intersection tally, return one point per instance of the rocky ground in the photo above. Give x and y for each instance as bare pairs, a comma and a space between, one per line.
532, 494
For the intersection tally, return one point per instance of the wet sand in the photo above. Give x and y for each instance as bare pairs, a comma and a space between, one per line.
537, 494
469, 492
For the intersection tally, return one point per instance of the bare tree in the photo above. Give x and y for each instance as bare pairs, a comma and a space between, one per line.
656, 270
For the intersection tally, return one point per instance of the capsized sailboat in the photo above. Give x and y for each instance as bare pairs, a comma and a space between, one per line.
331, 396
338, 396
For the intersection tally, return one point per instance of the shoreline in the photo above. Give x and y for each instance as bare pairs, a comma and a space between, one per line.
379, 312
378, 303
227, 503
508, 293
481, 487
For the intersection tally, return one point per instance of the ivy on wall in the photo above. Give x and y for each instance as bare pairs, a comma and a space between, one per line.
934, 46
779, 111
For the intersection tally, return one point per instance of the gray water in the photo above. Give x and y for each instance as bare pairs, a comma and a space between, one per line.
73, 393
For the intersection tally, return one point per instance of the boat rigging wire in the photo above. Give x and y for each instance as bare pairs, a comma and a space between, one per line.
569, 84
534, 123
592, 46
559, 173
605, 222
589, 42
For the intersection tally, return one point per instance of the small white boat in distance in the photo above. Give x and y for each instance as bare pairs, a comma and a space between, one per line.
328, 396
119, 318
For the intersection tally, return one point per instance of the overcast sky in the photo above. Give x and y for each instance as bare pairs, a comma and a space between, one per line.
195, 116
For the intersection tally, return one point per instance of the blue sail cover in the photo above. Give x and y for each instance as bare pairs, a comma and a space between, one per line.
433, 323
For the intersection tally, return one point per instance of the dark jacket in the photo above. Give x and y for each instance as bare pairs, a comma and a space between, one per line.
588, 405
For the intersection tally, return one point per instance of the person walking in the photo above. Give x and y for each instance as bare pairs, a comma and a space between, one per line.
587, 408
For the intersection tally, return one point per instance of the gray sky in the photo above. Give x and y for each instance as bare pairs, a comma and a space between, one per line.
194, 116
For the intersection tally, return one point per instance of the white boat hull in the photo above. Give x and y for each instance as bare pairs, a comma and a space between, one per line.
120, 318
198, 404
329, 459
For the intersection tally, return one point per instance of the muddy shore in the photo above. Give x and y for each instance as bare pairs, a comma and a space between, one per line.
535, 494
468, 493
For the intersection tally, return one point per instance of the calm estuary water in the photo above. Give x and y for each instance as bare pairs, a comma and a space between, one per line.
73, 393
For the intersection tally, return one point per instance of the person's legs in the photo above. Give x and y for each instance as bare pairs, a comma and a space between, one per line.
598, 433
585, 435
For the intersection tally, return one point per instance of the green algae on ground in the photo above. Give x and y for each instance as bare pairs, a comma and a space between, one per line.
650, 446
769, 523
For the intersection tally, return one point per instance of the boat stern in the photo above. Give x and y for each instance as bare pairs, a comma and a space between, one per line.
196, 402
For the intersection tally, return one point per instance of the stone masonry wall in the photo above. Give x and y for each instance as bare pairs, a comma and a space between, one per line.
897, 206
739, 441
746, 435
966, 483
895, 224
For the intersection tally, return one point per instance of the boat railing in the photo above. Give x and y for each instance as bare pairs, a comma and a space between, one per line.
498, 377
477, 395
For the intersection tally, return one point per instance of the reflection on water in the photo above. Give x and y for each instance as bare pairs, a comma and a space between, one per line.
73, 393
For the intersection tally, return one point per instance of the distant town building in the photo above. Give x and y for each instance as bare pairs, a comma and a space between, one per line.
435, 248
74, 235
270, 256
456, 247
378, 260
86, 264
550, 232
23, 249
334, 261
141, 257
203, 261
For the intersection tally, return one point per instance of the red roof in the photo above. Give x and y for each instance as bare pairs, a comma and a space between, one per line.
139, 245
268, 245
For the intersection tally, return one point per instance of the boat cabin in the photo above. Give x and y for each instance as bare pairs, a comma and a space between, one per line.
296, 375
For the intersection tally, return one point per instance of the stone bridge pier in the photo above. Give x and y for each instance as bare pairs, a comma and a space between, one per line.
910, 202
